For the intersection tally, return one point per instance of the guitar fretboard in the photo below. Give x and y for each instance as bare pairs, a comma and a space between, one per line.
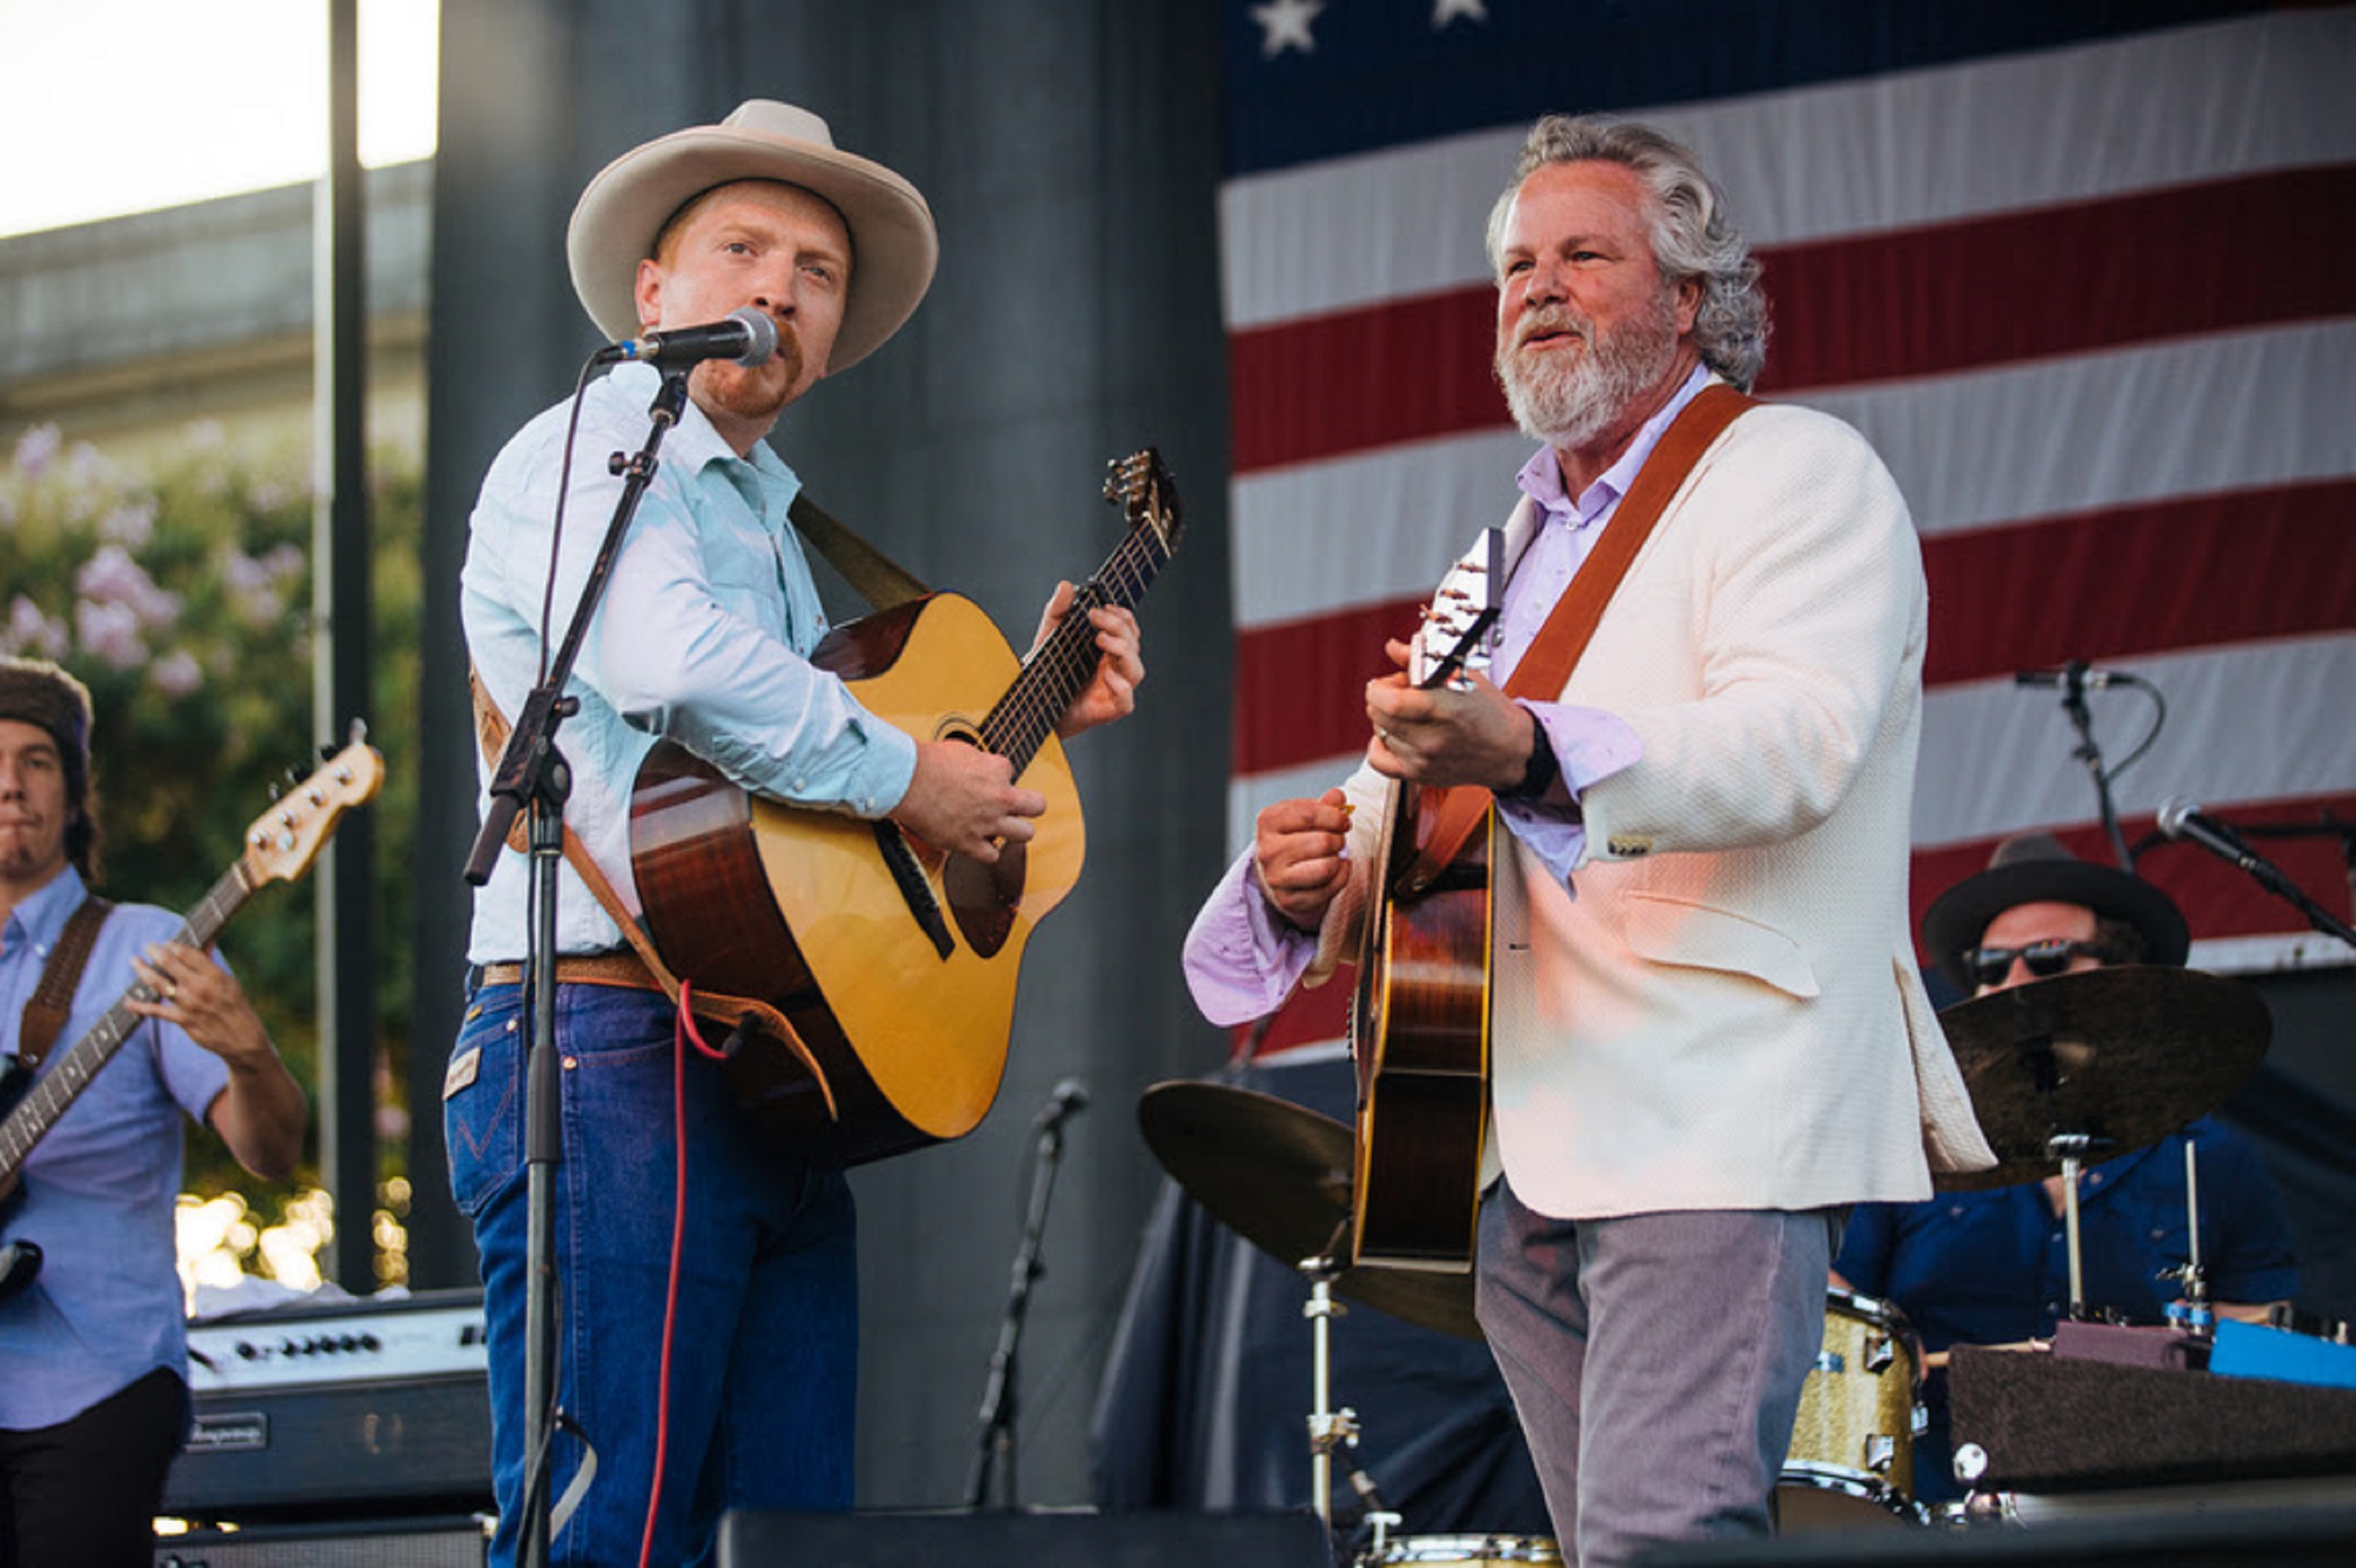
1024, 718
71, 1072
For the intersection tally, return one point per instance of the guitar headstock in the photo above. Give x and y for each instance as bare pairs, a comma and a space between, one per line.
1459, 630
282, 841
1140, 486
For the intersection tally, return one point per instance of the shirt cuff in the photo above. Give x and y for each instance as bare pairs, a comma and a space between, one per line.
1589, 745
1243, 959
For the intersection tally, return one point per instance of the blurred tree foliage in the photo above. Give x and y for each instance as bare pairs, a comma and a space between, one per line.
182, 597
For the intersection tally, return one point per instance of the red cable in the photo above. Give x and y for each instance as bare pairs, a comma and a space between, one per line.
683, 1030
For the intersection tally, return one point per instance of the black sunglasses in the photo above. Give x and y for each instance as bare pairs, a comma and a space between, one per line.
1990, 965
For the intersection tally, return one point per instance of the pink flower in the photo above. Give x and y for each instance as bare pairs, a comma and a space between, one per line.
31, 631
110, 633
176, 674
35, 449
111, 577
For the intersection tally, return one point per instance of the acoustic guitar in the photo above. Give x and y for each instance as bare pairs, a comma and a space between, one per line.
1419, 1018
279, 848
895, 962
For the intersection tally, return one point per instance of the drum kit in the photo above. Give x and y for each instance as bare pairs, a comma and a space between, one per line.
2064, 1073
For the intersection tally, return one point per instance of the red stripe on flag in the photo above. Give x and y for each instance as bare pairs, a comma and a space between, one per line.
1299, 686
1307, 1018
2218, 900
2214, 257
2066, 279
2141, 579
2162, 577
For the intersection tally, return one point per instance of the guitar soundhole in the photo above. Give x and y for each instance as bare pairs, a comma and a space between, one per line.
983, 898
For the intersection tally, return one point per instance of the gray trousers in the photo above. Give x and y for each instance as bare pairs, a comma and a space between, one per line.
1656, 1363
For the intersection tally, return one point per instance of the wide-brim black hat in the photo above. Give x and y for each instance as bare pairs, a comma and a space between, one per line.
2034, 868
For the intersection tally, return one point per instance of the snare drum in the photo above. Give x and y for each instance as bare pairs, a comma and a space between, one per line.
1437, 1550
1852, 1456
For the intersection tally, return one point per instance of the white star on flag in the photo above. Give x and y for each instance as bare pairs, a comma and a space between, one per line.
1284, 25
1446, 11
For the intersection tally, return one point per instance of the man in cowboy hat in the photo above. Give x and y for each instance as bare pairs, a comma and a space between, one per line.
93, 1344
703, 637
1991, 1267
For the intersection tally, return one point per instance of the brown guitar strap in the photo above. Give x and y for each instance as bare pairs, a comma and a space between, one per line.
1555, 649
881, 580
737, 1012
52, 1000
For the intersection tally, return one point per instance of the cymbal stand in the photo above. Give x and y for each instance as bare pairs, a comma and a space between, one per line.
2193, 1314
1328, 1428
2068, 1147
1333, 1430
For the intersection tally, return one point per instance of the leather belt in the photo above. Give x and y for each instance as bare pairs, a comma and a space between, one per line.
623, 968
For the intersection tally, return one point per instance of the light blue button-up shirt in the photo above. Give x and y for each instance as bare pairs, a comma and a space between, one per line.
99, 1190
703, 637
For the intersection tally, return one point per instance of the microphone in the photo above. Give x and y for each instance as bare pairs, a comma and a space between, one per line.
1068, 1099
2075, 675
748, 336
2181, 818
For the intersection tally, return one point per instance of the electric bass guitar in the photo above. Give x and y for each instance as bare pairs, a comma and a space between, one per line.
1419, 1018
279, 848
894, 962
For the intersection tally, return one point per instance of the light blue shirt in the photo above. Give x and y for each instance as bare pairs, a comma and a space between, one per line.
703, 637
98, 1191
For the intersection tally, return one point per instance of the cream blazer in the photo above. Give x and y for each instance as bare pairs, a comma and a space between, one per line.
1722, 1010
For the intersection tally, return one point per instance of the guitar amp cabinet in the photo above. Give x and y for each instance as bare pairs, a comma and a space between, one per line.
375, 1543
355, 1408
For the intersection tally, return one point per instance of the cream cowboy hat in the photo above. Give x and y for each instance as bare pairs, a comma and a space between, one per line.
894, 244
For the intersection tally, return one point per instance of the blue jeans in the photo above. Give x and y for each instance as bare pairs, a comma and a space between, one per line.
765, 1349
1656, 1362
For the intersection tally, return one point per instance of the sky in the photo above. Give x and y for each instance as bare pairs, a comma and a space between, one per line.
118, 106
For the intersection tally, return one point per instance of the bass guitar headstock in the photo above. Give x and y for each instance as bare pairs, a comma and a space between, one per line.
282, 841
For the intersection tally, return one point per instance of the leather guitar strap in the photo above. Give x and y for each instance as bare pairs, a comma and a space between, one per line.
881, 580
1541, 675
52, 1001
738, 1012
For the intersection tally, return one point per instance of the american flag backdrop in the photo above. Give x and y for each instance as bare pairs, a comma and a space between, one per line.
2081, 272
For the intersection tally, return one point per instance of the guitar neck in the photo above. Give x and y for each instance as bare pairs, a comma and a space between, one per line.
1065, 664
57, 1089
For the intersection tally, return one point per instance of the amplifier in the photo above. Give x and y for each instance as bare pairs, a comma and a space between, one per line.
367, 1407
375, 1543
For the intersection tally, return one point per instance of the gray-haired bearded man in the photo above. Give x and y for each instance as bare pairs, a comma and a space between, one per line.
1708, 1035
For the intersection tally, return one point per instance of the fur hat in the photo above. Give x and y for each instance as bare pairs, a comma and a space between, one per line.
36, 692
625, 210
2034, 868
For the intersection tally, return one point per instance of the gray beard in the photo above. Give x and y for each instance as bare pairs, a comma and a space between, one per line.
1569, 405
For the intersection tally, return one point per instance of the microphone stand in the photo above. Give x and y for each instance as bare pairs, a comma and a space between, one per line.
533, 777
2271, 878
2073, 703
996, 1439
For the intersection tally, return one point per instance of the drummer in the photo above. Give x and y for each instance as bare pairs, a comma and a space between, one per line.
1991, 1267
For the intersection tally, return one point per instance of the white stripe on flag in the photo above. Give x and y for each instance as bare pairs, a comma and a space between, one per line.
1921, 147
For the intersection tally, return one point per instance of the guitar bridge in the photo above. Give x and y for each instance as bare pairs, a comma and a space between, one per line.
915, 889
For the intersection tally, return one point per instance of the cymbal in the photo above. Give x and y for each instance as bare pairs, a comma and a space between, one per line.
2126, 1055
1278, 1174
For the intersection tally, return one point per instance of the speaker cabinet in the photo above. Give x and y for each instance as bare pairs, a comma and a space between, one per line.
771, 1540
390, 1543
